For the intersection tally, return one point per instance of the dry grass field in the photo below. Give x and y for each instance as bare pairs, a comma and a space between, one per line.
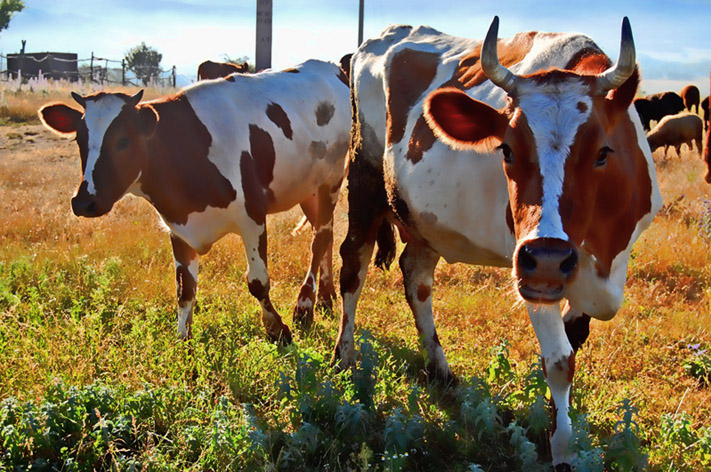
85, 300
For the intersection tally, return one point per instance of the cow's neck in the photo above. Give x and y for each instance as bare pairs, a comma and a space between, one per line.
177, 177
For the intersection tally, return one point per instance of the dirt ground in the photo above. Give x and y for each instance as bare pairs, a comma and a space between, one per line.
34, 145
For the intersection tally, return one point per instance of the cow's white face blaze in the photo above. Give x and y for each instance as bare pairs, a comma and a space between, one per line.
98, 116
554, 114
540, 161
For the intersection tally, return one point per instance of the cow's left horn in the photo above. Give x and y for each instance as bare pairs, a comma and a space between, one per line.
624, 67
490, 64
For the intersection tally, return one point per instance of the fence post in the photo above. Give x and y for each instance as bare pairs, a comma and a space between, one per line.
173, 76
50, 69
123, 72
22, 60
91, 68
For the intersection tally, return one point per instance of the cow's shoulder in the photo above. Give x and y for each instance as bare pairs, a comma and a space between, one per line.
179, 150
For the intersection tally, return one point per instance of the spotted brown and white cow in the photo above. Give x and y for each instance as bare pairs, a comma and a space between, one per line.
541, 164
216, 158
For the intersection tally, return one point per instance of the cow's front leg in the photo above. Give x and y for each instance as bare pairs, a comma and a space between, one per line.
321, 219
255, 246
417, 264
577, 326
558, 361
186, 274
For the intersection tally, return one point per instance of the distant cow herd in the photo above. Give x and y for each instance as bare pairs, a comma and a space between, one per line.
522, 152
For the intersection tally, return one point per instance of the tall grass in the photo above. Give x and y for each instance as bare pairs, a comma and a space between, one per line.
92, 376
21, 98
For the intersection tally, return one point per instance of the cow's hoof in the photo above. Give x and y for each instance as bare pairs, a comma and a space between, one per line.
562, 468
444, 379
325, 305
340, 362
185, 336
303, 317
282, 337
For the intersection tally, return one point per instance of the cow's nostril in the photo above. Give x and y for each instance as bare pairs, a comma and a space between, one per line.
568, 265
526, 261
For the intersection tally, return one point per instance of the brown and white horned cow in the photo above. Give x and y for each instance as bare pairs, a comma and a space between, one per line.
541, 164
216, 158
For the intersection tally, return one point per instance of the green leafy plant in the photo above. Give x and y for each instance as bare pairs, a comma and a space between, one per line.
624, 449
698, 364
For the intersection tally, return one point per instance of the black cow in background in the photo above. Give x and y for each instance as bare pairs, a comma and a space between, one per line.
657, 106
705, 108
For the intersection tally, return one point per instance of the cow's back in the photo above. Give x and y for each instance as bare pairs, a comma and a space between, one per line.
412, 62
295, 122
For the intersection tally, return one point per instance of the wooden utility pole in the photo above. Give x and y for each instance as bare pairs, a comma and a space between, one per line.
360, 22
263, 56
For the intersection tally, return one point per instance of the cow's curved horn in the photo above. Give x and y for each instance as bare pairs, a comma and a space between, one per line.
498, 74
624, 67
79, 99
133, 100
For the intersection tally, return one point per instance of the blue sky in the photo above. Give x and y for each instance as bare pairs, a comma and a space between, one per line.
672, 37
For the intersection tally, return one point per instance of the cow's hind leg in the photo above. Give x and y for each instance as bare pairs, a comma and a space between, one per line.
255, 245
417, 264
186, 274
320, 215
558, 360
367, 204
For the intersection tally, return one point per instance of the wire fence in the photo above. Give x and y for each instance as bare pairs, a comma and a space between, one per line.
66, 66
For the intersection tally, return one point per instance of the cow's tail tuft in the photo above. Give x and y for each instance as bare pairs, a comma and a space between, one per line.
385, 255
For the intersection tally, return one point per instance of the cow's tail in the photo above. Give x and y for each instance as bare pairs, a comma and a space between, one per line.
386, 245
385, 238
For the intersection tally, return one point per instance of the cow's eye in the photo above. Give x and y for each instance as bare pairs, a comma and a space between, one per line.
122, 144
508, 155
601, 160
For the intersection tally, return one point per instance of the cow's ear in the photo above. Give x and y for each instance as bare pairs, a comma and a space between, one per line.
60, 118
147, 120
464, 123
619, 100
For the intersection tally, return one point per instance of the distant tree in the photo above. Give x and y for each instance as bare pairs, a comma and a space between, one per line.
238, 60
7, 8
144, 61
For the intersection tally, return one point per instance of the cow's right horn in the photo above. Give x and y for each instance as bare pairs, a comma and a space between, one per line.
79, 99
136, 98
624, 67
498, 74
